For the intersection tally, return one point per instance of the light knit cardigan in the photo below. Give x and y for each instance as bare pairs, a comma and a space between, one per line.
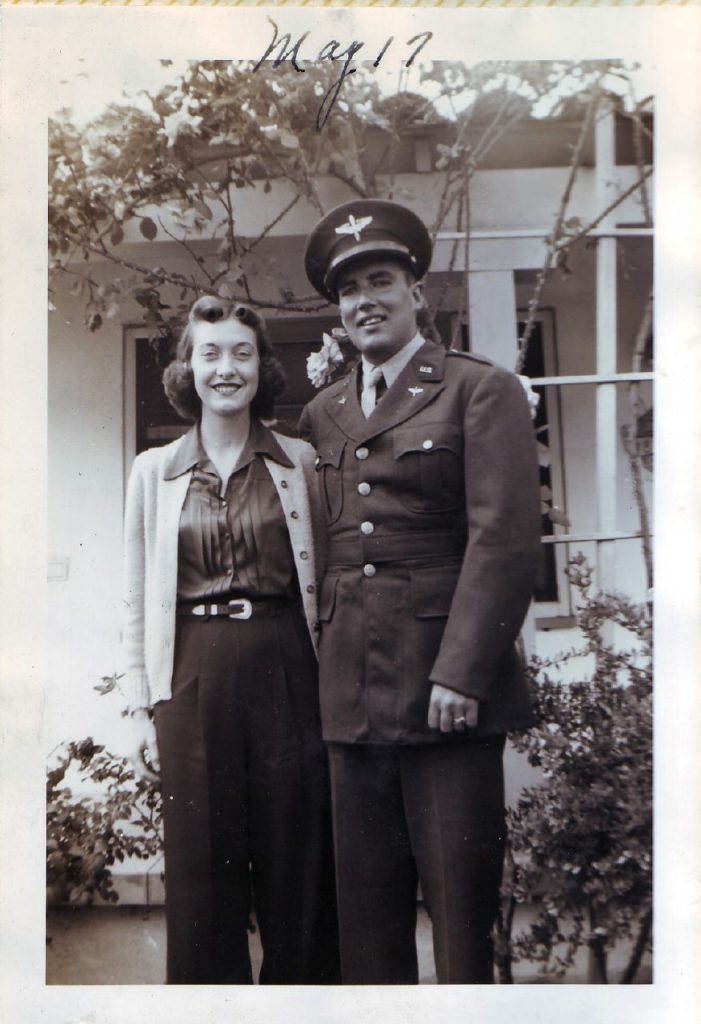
152, 517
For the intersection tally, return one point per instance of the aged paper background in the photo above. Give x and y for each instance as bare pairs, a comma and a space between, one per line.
40, 45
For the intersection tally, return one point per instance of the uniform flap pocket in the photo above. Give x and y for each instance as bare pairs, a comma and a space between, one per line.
328, 598
432, 590
427, 437
329, 455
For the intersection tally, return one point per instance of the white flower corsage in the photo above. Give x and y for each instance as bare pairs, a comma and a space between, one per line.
322, 364
532, 396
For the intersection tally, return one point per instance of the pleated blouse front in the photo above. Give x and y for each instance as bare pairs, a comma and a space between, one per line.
233, 541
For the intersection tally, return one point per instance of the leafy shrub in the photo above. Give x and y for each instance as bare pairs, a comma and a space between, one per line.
586, 833
87, 835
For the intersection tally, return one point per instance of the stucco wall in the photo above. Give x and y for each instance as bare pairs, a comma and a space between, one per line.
85, 520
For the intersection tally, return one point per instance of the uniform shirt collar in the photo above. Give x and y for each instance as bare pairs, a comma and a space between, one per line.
396, 363
190, 453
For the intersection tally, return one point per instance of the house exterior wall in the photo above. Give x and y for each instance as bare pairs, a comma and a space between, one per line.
85, 519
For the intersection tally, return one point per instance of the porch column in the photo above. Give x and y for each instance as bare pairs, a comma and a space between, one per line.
606, 334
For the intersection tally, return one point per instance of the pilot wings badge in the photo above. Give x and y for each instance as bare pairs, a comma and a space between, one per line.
354, 227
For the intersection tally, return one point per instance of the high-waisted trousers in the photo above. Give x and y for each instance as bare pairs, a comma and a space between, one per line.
245, 804
432, 813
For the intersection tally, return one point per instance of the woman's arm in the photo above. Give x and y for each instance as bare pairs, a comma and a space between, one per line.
143, 752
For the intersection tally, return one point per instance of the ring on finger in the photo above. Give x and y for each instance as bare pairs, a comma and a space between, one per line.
460, 720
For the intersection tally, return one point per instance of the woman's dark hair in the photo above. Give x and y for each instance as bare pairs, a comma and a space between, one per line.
178, 378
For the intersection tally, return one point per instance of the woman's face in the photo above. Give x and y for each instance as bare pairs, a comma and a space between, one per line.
225, 365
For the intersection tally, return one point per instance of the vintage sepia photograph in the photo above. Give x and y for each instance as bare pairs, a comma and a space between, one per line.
354, 491
239, 206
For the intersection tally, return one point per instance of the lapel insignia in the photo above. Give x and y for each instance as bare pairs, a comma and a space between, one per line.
415, 391
425, 369
354, 227
342, 400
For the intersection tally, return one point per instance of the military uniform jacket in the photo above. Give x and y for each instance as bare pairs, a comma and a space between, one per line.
433, 520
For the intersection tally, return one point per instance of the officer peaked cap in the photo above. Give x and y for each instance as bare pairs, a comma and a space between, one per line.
365, 227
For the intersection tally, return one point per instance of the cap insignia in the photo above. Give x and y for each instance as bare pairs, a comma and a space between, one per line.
354, 227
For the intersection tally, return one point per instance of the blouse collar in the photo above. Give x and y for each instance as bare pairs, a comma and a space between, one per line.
189, 453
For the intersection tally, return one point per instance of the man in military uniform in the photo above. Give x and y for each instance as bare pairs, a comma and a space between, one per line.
427, 469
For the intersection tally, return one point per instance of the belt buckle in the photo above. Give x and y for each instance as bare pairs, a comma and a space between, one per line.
246, 609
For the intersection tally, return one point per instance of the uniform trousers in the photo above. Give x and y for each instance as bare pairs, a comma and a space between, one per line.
245, 804
429, 813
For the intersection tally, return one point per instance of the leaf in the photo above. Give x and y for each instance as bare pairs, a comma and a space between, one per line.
148, 228
117, 235
289, 141
544, 458
558, 517
203, 209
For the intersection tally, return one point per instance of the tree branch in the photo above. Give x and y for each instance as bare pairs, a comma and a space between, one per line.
557, 230
568, 240
199, 261
638, 950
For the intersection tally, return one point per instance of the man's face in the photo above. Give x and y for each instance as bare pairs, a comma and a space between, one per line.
378, 303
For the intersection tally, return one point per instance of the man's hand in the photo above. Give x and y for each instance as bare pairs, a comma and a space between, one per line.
451, 711
143, 754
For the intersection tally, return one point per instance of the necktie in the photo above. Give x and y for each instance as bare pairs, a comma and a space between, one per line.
368, 397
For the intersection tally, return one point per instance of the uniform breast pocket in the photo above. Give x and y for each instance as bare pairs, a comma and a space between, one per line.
329, 466
429, 466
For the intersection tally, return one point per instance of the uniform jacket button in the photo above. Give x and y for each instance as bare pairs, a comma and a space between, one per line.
369, 569
367, 528
364, 488
428, 444
361, 453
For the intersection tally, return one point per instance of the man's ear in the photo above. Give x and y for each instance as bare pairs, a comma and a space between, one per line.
417, 291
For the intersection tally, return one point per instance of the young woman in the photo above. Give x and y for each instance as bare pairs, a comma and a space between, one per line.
221, 633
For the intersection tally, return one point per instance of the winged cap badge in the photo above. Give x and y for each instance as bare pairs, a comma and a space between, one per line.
354, 227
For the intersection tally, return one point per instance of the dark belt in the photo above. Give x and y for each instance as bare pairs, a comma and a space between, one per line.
396, 548
238, 608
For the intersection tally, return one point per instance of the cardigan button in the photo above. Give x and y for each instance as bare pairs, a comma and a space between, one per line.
304, 555
283, 483
310, 588
295, 515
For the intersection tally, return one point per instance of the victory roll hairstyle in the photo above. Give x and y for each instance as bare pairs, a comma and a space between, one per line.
178, 378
